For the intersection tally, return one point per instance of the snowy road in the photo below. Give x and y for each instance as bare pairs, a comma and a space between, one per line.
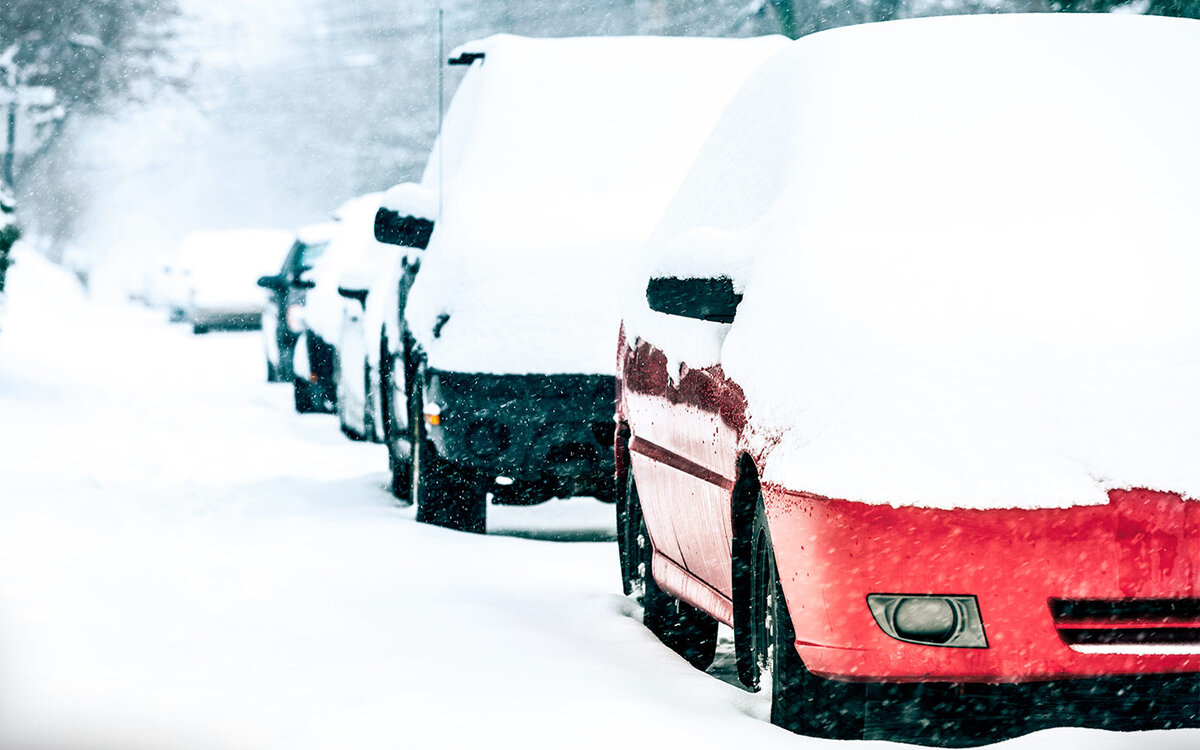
186, 563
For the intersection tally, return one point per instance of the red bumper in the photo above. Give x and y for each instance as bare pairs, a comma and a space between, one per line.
831, 554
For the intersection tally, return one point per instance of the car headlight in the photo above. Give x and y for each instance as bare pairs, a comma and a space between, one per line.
950, 621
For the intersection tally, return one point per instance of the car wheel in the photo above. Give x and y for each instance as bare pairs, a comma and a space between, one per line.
399, 460
199, 328
446, 494
801, 702
684, 629
368, 413
306, 397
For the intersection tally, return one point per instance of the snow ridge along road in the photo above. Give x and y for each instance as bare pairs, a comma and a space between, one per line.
185, 563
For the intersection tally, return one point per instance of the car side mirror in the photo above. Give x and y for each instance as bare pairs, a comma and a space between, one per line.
358, 295
713, 300
274, 283
407, 231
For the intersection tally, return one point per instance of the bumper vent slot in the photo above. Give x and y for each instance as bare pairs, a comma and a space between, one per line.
1127, 622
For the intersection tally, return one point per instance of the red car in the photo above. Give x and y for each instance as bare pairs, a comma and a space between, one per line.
907, 391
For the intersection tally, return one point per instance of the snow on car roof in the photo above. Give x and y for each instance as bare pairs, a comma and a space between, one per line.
316, 233
353, 243
971, 273
559, 155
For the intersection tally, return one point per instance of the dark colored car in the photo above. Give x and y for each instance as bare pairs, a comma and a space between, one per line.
505, 353
282, 322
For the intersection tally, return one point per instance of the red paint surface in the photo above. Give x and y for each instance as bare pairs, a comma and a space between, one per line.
687, 435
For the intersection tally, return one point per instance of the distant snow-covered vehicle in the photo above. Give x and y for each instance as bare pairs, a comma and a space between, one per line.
367, 285
324, 308
215, 274
908, 387
282, 319
555, 160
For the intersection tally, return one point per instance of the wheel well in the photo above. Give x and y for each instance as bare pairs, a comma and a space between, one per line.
744, 504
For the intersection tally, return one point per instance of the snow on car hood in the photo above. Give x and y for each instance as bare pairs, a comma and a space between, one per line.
222, 267
971, 278
557, 157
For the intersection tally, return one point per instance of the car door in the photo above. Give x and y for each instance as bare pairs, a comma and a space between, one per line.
683, 452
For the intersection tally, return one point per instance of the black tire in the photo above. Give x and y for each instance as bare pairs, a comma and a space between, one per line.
801, 702
684, 629
399, 453
446, 494
368, 413
272, 373
306, 397
199, 329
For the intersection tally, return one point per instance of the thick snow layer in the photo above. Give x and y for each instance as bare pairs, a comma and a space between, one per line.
313, 234
971, 277
411, 199
352, 252
220, 269
557, 157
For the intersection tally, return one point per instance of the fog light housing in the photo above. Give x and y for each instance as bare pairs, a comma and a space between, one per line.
949, 621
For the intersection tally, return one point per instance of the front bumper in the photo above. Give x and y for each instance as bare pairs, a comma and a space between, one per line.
1020, 564
554, 429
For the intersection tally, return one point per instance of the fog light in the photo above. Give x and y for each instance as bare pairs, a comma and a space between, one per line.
433, 414
952, 621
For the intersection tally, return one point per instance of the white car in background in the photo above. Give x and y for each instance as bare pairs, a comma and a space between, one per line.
214, 283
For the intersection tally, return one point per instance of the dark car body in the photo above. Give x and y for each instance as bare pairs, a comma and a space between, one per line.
280, 324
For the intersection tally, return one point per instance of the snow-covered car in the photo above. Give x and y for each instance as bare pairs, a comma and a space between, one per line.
216, 273
555, 159
405, 219
370, 343
367, 284
282, 318
907, 387
324, 308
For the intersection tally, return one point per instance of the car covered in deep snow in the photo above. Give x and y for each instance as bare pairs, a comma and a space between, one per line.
908, 383
555, 159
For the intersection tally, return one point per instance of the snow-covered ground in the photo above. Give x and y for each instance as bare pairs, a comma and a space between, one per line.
186, 563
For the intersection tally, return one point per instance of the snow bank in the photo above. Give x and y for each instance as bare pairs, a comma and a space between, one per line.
557, 156
971, 277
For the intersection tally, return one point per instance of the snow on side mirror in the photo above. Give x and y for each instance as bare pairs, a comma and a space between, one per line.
407, 231
712, 300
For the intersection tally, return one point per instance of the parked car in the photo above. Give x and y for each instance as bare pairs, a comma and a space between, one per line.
315, 363
215, 273
366, 284
555, 159
282, 319
365, 352
907, 388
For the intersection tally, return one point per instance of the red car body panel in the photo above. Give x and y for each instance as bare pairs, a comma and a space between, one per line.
685, 437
